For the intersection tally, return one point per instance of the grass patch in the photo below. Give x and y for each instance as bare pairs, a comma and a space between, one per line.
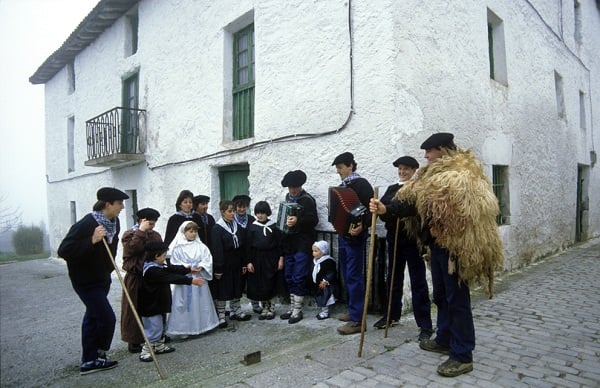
6, 258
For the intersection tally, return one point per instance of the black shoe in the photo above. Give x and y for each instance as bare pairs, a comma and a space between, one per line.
97, 365
380, 324
257, 309
222, 323
432, 346
240, 317
425, 334
167, 339
295, 319
286, 315
262, 317
134, 348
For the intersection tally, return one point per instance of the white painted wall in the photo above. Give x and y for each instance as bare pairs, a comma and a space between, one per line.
419, 67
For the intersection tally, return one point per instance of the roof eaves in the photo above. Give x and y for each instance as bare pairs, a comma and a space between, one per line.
104, 14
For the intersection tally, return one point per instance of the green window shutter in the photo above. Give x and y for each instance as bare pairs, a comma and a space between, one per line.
234, 180
243, 84
128, 118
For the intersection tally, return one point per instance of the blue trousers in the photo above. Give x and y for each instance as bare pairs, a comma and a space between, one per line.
407, 252
455, 327
296, 270
352, 263
98, 326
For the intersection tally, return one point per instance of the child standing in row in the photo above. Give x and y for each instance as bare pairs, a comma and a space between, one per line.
155, 294
227, 241
265, 259
324, 277
193, 309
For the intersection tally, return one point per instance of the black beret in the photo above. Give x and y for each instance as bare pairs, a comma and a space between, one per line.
200, 199
439, 139
156, 246
148, 214
241, 198
346, 158
406, 161
109, 194
294, 179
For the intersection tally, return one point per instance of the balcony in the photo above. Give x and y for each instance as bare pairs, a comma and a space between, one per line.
116, 138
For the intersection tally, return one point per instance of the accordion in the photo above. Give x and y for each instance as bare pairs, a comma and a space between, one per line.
287, 209
345, 209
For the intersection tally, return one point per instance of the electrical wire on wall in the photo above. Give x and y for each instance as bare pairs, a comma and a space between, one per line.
287, 138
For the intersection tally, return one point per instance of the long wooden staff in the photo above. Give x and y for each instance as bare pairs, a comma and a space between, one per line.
389, 306
132, 306
369, 275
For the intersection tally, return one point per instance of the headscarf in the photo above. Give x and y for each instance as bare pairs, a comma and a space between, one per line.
191, 253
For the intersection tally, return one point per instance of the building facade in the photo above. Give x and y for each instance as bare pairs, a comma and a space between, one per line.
225, 97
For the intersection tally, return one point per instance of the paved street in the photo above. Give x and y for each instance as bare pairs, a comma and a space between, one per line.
541, 329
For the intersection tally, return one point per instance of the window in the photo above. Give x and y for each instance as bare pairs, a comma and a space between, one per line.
500, 187
234, 180
577, 19
71, 144
131, 34
560, 97
243, 83
71, 76
496, 50
582, 119
73, 210
129, 123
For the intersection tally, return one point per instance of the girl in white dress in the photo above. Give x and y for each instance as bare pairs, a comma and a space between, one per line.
193, 311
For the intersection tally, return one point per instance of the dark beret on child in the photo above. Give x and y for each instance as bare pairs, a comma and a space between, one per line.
406, 161
156, 247
294, 178
148, 214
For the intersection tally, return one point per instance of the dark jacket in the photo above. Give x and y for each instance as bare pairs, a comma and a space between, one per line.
87, 263
155, 294
303, 234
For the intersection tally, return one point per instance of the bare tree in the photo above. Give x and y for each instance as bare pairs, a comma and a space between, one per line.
10, 216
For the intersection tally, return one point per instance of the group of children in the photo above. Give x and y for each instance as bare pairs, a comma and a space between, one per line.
243, 256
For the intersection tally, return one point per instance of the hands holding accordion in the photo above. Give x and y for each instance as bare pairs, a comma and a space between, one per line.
357, 230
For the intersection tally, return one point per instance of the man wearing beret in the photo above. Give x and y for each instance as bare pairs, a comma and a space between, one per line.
133, 264
90, 266
352, 248
457, 207
407, 252
297, 244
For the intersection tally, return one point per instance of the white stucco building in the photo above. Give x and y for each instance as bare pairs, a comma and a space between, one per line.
251, 89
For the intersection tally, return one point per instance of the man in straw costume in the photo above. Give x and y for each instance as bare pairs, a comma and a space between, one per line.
457, 208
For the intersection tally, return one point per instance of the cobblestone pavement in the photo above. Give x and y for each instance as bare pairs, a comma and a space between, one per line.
541, 329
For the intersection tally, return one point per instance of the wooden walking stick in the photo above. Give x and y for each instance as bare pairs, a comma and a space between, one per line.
369, 275
389, 306
135, 314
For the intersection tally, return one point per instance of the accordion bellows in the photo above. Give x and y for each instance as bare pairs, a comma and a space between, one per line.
345, 209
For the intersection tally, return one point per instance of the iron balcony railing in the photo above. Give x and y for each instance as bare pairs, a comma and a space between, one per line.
119, 131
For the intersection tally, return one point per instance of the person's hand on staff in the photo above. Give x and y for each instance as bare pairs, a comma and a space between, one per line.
375, 206
99, 234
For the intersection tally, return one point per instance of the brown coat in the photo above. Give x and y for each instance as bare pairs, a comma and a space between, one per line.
133, 263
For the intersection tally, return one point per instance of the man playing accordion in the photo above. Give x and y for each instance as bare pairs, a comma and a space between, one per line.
297, 242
